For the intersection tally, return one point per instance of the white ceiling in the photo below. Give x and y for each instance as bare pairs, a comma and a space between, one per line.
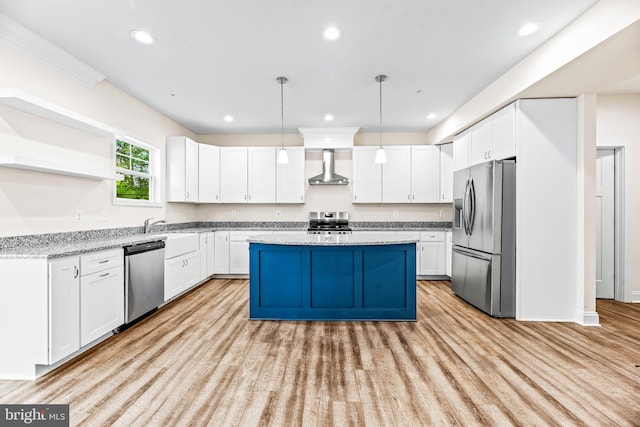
214, 58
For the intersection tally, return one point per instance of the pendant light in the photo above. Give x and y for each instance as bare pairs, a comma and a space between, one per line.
381, 156
283, 158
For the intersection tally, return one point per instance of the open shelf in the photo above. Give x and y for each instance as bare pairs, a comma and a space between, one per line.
22, 101
26, 163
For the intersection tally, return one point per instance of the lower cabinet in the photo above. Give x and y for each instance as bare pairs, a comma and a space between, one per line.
101, 295
448, 252
221, 255
181, 273
238, 257
64, 308
432, 253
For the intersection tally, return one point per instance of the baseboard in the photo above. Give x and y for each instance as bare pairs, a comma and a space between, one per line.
588, 318
635, 296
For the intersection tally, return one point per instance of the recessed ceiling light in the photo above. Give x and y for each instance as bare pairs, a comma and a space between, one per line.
332, 33
228, 118
142, 36
529, 28
431, 116
328, 117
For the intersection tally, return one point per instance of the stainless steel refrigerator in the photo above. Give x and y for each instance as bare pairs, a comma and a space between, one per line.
484, 237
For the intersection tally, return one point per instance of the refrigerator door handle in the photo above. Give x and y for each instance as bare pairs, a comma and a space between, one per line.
472, 198
465, 209
470, 254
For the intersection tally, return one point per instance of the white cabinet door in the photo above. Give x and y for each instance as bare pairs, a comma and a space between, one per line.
221, 252
101, 303
504, 133
367, 176
262, 175
480, 146
208, 173
446, 173
432, 262
233, 174
211, 253
290, 177
238, 257
396, 175
425, 174
64, 308
448, 244
181, 273
203, 255
461, 152
182, 169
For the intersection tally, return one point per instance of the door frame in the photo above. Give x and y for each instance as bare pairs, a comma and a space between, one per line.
622, 179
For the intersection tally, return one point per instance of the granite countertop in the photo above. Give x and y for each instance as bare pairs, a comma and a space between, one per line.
358, 239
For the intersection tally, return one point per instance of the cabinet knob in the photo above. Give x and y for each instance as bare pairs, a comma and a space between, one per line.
187, 194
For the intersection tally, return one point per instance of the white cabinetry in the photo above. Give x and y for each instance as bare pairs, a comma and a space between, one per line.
101, 294
64, 308
239, 250
181, 265
208, 173
233, 174
290, 177
367, 176
448, 244
182, 169
481, 139
461, 152
446, 173
221, 248
503, 124
396, 175
425, 174
207, 254
262, 175
432, 253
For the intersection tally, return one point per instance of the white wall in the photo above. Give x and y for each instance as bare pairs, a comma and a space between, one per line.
322, 197
34, 202
618, 124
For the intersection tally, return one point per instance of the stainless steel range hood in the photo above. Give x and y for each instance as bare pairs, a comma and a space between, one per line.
328, 175
328, 140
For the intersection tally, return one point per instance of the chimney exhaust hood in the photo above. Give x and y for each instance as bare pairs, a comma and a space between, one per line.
328, 140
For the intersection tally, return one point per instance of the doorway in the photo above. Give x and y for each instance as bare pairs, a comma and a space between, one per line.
605, 223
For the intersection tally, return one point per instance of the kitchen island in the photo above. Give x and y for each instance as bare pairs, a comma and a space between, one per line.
364, 276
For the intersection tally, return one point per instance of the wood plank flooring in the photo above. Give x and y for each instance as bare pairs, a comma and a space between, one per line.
199, 361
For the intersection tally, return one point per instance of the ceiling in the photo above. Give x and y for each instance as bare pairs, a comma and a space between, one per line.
214, 58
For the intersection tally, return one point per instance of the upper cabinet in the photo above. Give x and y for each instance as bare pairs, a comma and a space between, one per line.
446, 173
410, 175
208, 173
494, 138
233, 174
425, 174
290, 177
262, 175
182, 169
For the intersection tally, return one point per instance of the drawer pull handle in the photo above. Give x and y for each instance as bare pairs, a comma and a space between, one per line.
104, 275
104, 261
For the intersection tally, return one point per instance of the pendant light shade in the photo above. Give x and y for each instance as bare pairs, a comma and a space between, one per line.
283, 157
381, 156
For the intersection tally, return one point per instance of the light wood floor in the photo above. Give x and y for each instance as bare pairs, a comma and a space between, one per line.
200, 361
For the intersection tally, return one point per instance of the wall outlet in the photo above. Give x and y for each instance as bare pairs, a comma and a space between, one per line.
78, 215
396, 214
277, 214
103, 215
233, 213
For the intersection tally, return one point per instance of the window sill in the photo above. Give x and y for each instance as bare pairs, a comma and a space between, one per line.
133, 202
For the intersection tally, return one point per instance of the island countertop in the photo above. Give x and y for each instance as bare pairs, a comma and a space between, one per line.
356, 239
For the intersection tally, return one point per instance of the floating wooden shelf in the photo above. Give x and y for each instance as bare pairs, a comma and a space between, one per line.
20, 162
47, 110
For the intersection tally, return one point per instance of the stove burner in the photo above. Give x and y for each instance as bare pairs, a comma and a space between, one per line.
329, 223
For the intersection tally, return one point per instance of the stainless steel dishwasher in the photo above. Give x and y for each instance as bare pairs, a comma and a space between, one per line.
144, 278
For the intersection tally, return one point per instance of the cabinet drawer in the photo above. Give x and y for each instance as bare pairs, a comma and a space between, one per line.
432, 236
242, 236
99, 261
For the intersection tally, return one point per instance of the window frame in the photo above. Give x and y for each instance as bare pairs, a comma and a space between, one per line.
154, 175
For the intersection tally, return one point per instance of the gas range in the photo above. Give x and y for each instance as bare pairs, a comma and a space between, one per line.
329, 223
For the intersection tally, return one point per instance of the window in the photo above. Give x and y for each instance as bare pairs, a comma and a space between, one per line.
136, 163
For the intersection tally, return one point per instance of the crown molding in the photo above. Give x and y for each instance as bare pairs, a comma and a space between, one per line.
25, 40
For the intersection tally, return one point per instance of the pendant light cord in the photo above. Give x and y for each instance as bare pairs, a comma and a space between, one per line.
380, 128
282, 114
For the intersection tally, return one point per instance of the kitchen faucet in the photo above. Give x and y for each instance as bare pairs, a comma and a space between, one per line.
148, 225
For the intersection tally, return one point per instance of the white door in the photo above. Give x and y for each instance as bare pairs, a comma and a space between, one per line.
461, 152
425, 174
432, 258
208, 174
64, 308
446, 173
233, 174
221, 252
367, 176
605, 223
101, 303
290, 177
211, 253
262, 175
480, 146
396, 175
239, 257
191, 171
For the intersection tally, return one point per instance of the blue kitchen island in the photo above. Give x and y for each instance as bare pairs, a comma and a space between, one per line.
363, 276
